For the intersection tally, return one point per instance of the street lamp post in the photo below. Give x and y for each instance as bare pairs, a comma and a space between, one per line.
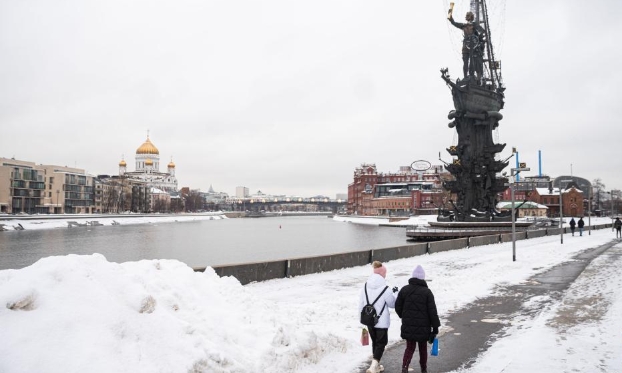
589, 212
513, 172
561, 216
513, 223
57, 191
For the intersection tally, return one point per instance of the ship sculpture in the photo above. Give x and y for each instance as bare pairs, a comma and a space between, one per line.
478, 98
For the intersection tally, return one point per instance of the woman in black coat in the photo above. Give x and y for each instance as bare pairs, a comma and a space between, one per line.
416, 307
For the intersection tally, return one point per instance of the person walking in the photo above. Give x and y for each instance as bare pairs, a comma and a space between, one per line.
416, 307
376, 288
617, 224
580, 224
572, 225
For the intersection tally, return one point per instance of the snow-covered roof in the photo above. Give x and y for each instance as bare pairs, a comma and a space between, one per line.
546, 192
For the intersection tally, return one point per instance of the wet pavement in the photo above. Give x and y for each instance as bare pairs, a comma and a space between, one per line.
471, 330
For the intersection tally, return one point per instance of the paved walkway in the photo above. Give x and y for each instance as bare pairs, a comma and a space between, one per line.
469, 331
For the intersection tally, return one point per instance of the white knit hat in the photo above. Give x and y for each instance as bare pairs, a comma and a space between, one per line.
419, 273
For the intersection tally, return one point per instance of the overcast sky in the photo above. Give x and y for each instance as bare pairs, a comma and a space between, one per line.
289, 97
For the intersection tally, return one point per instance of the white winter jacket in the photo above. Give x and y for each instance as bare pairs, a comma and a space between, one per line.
375, 285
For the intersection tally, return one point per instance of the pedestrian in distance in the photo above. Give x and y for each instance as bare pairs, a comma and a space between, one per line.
572, 225
416, 307
376, 292
617, 224
580, 224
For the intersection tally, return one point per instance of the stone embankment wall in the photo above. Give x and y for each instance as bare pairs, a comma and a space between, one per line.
252, 272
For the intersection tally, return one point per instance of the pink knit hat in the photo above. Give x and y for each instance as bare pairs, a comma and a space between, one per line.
380, 269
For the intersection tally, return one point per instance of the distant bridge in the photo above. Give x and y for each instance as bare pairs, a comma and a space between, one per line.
270, 203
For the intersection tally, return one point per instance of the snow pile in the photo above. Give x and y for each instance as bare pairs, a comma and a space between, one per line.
82, 313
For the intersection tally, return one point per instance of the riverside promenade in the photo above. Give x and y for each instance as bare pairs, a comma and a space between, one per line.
471, 330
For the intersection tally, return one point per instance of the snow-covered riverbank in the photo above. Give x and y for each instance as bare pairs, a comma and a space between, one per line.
29, 222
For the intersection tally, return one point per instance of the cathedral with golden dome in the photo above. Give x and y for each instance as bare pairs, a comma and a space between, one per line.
148, 168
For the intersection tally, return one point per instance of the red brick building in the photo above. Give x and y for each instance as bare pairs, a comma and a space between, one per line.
573, 199
396, 194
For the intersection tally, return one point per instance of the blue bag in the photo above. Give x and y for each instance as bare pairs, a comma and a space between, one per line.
434, 350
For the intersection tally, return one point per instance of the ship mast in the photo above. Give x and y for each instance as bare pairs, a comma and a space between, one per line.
492, 67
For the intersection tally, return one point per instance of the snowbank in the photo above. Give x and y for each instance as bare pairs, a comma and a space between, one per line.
83, 313
54, 221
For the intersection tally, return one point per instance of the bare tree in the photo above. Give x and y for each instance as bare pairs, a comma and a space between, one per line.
160, 205
109, 199
177, 205
194, 201
127, 200
598, 187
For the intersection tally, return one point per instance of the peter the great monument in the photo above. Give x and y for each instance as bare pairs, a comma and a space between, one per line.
478, 99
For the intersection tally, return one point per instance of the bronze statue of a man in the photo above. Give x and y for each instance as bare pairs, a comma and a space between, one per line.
472, 45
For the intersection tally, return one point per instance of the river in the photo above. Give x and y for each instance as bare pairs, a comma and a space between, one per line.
200, 243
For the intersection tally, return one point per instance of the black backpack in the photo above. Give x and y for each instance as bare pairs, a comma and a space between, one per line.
368, 313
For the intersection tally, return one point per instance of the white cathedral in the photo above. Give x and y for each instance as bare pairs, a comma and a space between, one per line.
148, 168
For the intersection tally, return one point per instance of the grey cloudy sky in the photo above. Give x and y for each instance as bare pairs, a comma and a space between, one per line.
289, 97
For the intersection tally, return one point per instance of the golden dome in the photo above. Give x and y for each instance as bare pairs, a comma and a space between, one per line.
147, 148
122, 163
148, 162
171, 165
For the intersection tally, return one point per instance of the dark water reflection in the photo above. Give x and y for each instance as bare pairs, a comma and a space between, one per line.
200, 243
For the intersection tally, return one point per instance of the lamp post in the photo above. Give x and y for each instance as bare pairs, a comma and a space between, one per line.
561, 216
589, 213
514, 172
57, 192
513, 223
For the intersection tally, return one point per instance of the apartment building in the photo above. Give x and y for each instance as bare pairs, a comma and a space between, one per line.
27, 187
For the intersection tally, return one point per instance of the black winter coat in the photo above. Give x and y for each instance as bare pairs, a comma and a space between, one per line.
416, 307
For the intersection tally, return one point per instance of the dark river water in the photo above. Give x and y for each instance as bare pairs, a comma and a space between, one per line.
201, 243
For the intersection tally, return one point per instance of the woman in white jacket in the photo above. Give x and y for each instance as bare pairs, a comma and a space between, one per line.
375, 285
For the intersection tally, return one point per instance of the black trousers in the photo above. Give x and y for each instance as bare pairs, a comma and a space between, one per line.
379, 340
410, 350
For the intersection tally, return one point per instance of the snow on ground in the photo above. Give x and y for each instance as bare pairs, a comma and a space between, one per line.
422, 220
52, 221
83, 313
412, 220
582, 333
